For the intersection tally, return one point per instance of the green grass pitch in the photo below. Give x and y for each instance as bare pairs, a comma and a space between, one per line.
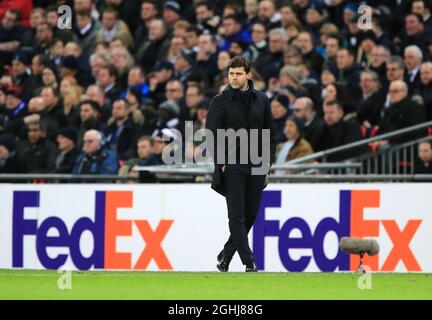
30, 284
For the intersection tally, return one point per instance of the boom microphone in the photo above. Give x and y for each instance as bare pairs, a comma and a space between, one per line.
359, 246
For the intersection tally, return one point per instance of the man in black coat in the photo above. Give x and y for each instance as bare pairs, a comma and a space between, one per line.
238, 107
37, 155
314, 125
402, 113
68, 152
338, 132
425, 88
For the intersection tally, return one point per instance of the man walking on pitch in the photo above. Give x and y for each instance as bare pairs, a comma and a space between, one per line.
240, 108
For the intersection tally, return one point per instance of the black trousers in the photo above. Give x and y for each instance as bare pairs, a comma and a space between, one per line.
243, 197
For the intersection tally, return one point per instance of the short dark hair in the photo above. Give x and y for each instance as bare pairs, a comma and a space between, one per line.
238, 62
110, 9
93, 104
335, 103
84, 12
111, 70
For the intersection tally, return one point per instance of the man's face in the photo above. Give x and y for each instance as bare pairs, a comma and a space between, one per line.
34, 133
144, 149
37, 66
11, 101
163, 75
237, 77
72, 49
332, 47
135, 77
299, 109
9, 20
82, 21
49, 98
426, 73
120, 111
411, 60
343, 59
52, 18
170, 16
205, 44
397, 92
231, 27
413, 25
418, 7
64, 143
202, 14
104, 78
156, 30
91, 143
332, 114
96, 65
368, 84
148, 11
36, 18
173, 91
394, 72
87, 112
287, 15
425, 152
276, 43
265, 10
43, 33
379, 56
109, 20
18, 68
193, 97
304, 42
258, 33
191, 39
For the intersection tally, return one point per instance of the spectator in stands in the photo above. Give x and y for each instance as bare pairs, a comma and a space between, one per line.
53, 116
372, 101
313, 124
268, 14
425, 87
122, 133
90, 115
206, 58
113, 27
338, 132
270, 62
379, 56
7, 154
149, 11
423, 8
11, 35
233, 30
37, 154
295, 146
174, 91
414, 33
86, 30
402, 113
413, 57
156, 48
107, 80
67, 150
423, 165
95, 158
146, 157
305, 42
11, 118
279, 109
22, 73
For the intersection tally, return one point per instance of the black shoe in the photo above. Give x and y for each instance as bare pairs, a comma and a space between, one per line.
251, 267
223, 264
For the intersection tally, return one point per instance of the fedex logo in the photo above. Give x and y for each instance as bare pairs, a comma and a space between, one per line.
351, 223
105, 229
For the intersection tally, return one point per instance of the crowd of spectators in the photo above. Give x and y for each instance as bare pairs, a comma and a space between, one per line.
98, 98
